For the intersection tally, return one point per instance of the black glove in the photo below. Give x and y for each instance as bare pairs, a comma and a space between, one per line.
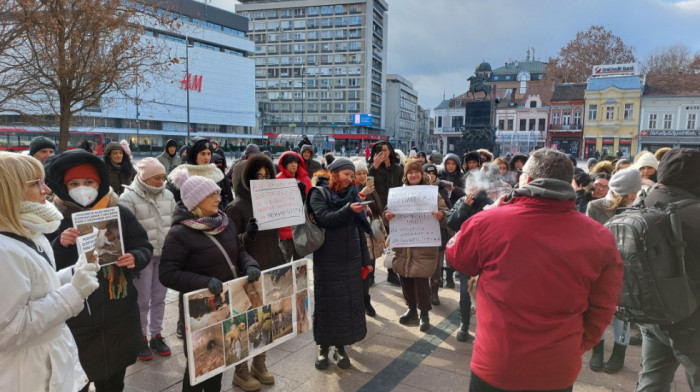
215, 286
302, 189
253, 273
252, 229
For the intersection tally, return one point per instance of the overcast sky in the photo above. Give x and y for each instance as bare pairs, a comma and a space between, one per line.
437, 44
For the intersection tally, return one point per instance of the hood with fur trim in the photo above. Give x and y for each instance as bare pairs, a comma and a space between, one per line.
515, 158
209, 171
250, 170
56, 168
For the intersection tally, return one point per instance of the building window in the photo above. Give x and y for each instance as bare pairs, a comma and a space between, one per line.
592, 112
286, 13
577, 118
555, 119
691, 120
533, 104
510, 125
668, 119
313, 11
523, 125
327, 10
652, 121
501, 123
629, 111
439, 122
610, 113
541, 124
566, 118
532, 124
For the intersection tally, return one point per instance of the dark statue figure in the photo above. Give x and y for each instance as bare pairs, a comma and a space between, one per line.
476, 85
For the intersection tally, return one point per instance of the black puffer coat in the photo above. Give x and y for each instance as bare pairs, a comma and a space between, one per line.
385, 177
190, 258
339, 315
107, 331
455, 178
462, 211
265, 248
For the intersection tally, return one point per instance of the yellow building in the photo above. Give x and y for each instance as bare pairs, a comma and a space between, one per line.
611, 118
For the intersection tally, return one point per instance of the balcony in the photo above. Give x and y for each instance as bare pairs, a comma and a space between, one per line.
565, 128
447, 131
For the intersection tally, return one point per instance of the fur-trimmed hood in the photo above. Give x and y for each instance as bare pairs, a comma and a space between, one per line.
250, 170
517, 157
209, 171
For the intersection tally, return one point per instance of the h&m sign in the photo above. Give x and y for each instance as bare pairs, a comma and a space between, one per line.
192, 83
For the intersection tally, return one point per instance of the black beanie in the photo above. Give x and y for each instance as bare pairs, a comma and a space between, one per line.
288, 158
40, 143
195, 146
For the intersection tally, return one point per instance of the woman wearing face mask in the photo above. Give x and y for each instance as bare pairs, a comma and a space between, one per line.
292, 165
121, 171
108, 330
339, 316
153, 206
37, 350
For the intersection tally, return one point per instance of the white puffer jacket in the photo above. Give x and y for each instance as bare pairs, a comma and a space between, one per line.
154, 211
37, 350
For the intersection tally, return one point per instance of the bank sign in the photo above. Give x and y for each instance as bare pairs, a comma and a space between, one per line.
670, 132
615, 69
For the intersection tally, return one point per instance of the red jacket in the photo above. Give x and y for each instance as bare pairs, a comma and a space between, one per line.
301, 175
549, 277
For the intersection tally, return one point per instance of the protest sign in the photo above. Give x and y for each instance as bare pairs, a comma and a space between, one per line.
276, 203
108, 242
246, 319
413, 224
86, 244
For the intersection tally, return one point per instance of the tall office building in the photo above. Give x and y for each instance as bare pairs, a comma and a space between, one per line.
321, 65
402, 112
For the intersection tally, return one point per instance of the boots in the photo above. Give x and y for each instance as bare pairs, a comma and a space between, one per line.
617, 359
434, 299
393, 278
259, 370
341, 357
368, 307
410, 316
243, 379
463, 334
322, 358
596, 362
449, 278
424, 323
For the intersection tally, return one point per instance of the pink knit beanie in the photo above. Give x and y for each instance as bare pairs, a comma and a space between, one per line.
193, 189
149, 167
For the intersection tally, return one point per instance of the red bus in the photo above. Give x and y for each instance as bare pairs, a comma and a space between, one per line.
18, 139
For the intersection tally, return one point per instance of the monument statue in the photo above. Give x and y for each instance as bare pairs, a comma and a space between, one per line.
477, 84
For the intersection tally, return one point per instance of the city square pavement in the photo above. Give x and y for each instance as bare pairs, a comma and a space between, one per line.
392, 357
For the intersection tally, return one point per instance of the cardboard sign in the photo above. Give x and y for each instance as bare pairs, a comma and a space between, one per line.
276, 203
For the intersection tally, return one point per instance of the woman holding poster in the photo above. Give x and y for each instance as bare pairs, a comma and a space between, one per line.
37, 350
263, 246
292, 165
193, 255
416, 265
108, 330
339, 316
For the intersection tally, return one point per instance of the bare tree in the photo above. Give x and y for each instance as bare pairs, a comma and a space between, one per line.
12, 82
670, 60
74, 52
593, 46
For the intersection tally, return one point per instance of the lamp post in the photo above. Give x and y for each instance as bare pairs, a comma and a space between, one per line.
187, 86
137, 103
303, 90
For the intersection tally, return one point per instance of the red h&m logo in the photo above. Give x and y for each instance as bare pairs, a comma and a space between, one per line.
191, 82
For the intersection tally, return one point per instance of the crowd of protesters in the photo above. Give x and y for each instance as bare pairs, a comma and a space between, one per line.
523, 233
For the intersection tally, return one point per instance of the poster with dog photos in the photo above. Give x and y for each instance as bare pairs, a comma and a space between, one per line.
245, 319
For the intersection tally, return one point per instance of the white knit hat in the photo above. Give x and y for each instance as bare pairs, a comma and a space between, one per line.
647, 159
194, 189
360, 164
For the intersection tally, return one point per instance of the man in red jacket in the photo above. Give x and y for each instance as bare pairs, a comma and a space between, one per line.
548, 281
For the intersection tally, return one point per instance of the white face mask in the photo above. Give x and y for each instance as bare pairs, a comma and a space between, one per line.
83, 195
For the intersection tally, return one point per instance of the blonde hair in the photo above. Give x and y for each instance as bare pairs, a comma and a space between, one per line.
15, 171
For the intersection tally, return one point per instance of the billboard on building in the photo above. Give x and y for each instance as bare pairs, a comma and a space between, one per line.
615, 69
362, 119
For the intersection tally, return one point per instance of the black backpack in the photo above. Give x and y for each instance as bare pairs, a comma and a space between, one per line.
655, 287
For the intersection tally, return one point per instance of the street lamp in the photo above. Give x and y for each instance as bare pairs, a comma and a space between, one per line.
303, 89
187, 86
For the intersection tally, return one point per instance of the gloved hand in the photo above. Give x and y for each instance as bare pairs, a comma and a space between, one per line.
302, 189
252, 229
215, 286
253, 273
85, 277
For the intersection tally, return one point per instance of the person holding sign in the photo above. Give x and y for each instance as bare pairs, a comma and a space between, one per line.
263, 246
108, 330
201, 251
339, 316
292, 165
416, 265
37, 350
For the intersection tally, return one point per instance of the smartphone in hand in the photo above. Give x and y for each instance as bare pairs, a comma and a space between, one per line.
370, 181
364, 203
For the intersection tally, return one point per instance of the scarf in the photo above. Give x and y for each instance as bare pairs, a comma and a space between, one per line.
151, 190
350, 195
117, 166
39, 218
209, 224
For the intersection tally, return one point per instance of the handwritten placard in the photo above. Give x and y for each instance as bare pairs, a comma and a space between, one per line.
413, 224
276, 203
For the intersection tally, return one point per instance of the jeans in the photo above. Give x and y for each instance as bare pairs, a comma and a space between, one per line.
663, 349
465, 301
478, 385
621, 330
151, 298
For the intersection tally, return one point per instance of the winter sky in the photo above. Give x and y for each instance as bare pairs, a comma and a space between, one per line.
437, 44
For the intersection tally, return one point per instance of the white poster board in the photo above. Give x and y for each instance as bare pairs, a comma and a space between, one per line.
108, 244
277, 203
413, 224
246, 319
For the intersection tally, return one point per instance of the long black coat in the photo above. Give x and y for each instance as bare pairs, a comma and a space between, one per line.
339, 315
107, 331
190, 258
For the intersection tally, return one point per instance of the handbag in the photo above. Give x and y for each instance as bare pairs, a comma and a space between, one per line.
309, 236
388, 254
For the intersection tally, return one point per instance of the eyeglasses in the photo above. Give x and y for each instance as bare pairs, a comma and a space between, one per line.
263, 176
39, 181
